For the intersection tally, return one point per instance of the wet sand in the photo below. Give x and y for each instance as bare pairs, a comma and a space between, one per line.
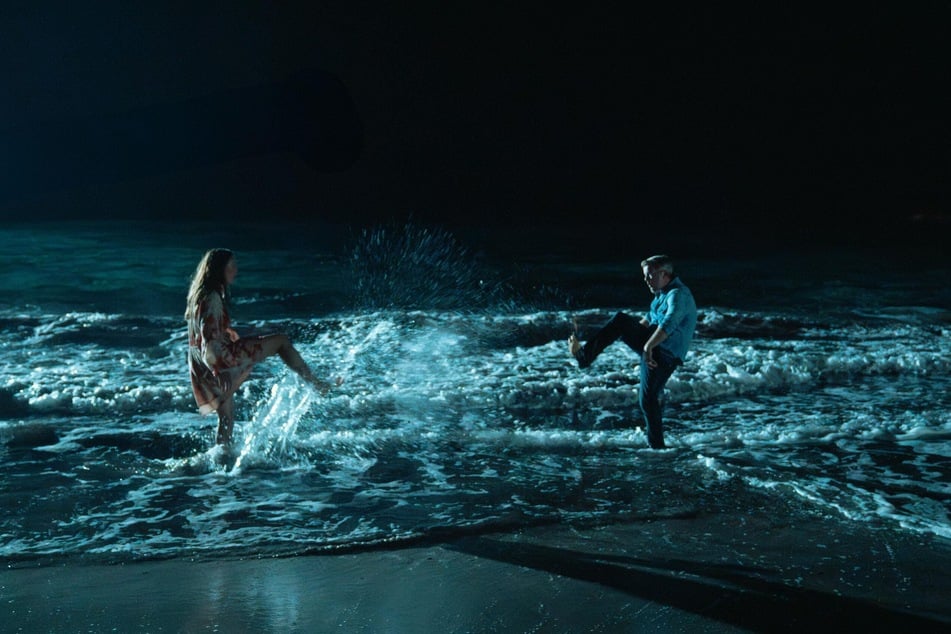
766, 571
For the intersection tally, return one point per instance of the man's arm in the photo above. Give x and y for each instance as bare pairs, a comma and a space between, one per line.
656, 339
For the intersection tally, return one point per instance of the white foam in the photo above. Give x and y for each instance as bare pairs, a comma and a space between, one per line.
454, 409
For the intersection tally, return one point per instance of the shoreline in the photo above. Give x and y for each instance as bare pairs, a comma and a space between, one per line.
713, 572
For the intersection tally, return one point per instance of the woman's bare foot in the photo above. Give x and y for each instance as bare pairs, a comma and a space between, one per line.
323, 386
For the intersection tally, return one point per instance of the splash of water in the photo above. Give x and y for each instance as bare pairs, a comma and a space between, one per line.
413, 267
268, 436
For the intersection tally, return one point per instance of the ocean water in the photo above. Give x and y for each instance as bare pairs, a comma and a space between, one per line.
817, 381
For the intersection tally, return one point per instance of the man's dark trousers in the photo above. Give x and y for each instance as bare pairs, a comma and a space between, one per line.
635, 335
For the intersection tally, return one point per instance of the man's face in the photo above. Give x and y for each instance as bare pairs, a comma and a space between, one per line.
656, 279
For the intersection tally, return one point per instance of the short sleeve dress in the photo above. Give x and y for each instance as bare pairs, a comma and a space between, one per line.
218, 365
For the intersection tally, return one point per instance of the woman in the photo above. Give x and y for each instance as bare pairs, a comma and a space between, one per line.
218, 359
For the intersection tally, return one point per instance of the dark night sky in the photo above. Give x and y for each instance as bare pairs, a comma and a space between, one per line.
779, 122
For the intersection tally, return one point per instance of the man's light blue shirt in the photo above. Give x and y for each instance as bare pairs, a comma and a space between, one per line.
675, 312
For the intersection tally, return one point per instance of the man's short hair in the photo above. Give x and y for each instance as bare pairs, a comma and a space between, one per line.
659, 262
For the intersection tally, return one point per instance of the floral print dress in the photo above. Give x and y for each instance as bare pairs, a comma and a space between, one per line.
218, 361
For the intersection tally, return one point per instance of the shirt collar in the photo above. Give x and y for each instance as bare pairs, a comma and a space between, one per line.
671, 285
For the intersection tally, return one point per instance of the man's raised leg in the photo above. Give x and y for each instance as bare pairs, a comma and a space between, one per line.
621, 326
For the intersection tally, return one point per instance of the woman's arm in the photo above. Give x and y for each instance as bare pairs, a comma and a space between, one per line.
215, 327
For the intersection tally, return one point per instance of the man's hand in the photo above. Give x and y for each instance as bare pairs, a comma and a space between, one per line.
658, 337
649, 357
232, 334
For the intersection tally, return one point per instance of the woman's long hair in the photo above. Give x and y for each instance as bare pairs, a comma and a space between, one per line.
209, 277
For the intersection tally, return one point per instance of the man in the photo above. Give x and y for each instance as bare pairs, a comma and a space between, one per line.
663, 338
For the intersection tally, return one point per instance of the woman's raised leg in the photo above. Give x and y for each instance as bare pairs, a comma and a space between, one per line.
281, 346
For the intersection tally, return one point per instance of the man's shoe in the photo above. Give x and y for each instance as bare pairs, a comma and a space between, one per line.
577, 351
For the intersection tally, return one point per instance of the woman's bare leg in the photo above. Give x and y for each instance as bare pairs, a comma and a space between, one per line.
281, 346
225, 422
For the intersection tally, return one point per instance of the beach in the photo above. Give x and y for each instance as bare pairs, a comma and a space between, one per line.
779, 570
467, 476
424, 209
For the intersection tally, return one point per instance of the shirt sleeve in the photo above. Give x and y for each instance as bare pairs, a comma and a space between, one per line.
653, 314
673, 312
